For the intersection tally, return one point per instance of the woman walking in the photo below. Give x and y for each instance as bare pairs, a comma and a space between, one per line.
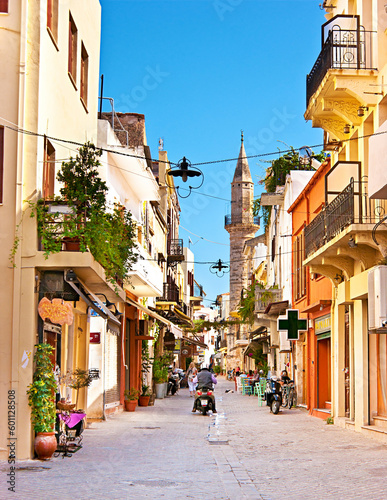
191, 374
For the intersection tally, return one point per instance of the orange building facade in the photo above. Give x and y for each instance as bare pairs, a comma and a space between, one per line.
311, 295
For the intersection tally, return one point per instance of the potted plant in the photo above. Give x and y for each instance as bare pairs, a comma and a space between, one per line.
160, 376
78, 379
144, 398
41, 399
131, 398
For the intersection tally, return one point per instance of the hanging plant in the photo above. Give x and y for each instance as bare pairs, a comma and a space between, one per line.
108, 232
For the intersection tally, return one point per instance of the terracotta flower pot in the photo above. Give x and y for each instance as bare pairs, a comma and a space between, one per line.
130, 404
45, 445
143, 400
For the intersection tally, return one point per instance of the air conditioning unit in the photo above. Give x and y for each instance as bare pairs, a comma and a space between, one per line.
285, 345
377, 297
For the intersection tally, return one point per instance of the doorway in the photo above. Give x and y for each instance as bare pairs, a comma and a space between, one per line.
323, 370
382, 375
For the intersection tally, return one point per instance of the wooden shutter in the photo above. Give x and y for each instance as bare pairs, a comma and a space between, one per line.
1, 162
4, 6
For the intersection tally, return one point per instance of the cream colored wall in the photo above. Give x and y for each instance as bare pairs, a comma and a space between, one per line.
37, 95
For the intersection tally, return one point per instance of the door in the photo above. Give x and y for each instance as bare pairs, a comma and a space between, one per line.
323, 371
346, 367
382, 374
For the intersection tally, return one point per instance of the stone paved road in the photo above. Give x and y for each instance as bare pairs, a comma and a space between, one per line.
244, 452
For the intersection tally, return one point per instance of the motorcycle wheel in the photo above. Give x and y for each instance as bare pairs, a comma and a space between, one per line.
275, 406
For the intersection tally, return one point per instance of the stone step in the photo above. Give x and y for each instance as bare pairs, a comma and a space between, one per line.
321, 413
380, 422
328, 405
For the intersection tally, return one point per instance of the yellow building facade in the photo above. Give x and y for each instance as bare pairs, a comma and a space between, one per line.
346, 97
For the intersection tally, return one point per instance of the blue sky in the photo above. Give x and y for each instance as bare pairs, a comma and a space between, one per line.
202, 70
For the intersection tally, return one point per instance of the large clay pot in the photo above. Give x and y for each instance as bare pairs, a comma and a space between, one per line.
130, 404
45, 445
143, 400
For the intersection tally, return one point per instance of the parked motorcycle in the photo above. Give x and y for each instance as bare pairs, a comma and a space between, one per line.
203, 400
173, 383
273, 395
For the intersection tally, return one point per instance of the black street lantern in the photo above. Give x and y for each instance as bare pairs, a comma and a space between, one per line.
219, 268
184, 169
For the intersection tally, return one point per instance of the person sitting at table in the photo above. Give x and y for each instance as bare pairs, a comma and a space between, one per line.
254, 378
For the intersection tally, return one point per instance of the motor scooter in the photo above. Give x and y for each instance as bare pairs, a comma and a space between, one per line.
204, 400
173, 383
273, 395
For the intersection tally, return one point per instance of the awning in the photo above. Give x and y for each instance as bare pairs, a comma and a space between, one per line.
100, 309
148, 311
258, 331
223, 349
277, 307
183, 316
177, 332
195, 342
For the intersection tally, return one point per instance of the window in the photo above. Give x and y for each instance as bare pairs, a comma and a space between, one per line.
1, 162
84, 74
299, 269
73, 38
52, 19
48, 171
4, 6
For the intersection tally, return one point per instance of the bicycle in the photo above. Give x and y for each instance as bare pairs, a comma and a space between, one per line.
289, 395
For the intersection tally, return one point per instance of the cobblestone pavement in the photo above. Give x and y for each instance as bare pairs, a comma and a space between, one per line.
243, 452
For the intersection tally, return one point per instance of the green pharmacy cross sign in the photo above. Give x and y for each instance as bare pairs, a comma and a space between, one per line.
291, 324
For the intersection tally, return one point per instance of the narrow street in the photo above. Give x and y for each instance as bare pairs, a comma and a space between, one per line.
167, 452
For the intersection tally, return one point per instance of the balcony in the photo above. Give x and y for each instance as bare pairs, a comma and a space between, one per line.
170, 293
264, 297
175, 250
343, 48
245, 218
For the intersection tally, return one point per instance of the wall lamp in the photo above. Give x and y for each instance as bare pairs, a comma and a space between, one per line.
361, 110
347, 128
109, 304
339, 278
352, 243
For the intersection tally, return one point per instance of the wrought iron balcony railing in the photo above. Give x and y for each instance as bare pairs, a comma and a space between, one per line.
245, 218
170, 293
264, 297
351, 206
175, 250
343, 49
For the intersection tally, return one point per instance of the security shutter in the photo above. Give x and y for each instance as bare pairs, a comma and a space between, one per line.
112, 366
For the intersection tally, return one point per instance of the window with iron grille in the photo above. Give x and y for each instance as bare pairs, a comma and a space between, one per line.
299, 273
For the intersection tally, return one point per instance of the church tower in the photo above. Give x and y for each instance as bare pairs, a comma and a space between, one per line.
242, 226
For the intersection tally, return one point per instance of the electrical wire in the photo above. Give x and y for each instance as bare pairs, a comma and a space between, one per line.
15, 128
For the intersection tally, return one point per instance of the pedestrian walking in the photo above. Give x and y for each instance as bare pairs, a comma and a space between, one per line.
191, 375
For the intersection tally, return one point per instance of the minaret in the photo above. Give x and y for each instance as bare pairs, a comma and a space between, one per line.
241, 228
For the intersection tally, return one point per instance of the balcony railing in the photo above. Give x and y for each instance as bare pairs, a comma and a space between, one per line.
343, 49
242, 219
175, 250
264, 297
170, 293
351, 206
197, 290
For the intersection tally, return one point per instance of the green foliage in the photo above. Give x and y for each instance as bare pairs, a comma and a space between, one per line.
132, 394
329, 421
160, 367
146, 361
200, 325
108, 232
41, 393
276, 176
145, 390
78, 379
247, 303
217, 369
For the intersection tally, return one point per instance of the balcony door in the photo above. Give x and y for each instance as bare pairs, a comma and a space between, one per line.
382, 374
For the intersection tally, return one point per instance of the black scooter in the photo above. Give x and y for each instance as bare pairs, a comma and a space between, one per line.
273, 395
203, 400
